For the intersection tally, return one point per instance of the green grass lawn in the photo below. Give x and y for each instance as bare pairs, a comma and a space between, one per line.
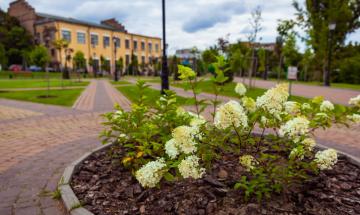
35, 83
65, 97
228, 90
132, 92
34, 75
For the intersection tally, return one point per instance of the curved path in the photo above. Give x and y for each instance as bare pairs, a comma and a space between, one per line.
38, 141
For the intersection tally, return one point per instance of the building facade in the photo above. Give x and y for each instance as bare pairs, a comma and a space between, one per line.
99, 42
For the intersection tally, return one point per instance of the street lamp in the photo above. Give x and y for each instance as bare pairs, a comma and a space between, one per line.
164, 72
332, 27
116, 77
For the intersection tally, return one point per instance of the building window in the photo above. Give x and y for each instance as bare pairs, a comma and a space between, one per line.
150, 47
143, 59
135, 45
127, 60
118, 42
106, 41
81, 38
156, 47
52, 51
127, 44
66, 35
94, 39
142, 46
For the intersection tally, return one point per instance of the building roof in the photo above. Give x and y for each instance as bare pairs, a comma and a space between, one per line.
50, 18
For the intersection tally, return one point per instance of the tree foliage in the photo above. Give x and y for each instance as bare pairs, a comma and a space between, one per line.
40, 56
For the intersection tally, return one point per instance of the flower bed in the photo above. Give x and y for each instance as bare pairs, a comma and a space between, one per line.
105, 187
165, 160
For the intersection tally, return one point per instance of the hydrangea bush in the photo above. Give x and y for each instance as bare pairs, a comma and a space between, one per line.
271, 136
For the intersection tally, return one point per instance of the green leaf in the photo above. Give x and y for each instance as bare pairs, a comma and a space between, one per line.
169, 177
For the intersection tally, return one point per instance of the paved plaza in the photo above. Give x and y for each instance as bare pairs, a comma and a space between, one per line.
38, 141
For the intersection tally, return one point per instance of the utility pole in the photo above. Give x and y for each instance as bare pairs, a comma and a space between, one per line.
164, 72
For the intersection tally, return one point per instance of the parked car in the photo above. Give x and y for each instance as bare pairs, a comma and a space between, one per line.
34, 68
15, 68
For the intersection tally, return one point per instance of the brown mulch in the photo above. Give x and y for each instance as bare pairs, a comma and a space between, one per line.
106, 188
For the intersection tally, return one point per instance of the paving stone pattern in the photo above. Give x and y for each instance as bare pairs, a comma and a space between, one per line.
38, 141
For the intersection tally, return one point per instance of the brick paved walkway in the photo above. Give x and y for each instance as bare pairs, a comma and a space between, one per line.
339, 96
38, 141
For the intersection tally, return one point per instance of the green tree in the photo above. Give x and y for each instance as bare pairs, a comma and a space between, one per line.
3, 58
209, 57
60, 45
40, 56
262, 61
79, 62
316, 16
174, 62
120, 65
306, 60
290, 51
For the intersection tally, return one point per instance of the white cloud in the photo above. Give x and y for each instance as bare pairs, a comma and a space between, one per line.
189, 22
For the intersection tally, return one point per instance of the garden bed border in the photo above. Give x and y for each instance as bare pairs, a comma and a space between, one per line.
72, 203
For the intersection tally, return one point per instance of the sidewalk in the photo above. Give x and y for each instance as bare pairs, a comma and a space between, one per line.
335, 95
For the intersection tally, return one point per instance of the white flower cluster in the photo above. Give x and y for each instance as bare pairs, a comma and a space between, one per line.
230, 114
171, 149
248, 162
273, 100
189, 167
326, 106
151, 173
309, 144
197, 120
295, 128
184, 138
249, 104
355, 101
326, 159
292, 107
240, 89
355, 118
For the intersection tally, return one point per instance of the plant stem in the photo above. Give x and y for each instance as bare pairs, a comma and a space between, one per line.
237, 134
196, 102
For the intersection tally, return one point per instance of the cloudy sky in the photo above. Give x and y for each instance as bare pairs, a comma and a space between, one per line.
189, 22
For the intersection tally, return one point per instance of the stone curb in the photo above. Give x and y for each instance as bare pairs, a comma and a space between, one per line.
71, 202
73, 205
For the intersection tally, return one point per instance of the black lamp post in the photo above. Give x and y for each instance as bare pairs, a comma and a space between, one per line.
327, 72
164, 72
116, 77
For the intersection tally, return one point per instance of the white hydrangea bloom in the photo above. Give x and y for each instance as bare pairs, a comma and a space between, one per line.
151, 173
296, 153
326, 159
326, 106
355, 101
291, 107
196, 120
248, 161
249, 104
229, 114
309, 144
184, 138
294, 128
180, 111
171, 148
305, 106
189, 167
240, 89
273, 99
355, 118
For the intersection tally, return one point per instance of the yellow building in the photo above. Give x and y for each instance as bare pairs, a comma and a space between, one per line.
94, 40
